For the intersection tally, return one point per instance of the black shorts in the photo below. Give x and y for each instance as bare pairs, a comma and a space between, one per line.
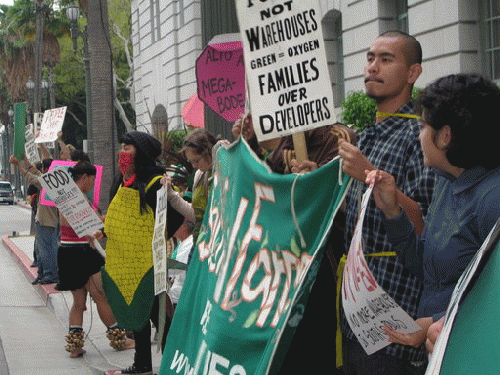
76, 264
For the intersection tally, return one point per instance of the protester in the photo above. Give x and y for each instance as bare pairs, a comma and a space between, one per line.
391, 144
79, 271
318, 325
46, 226
466, 200
198, 150
128, 273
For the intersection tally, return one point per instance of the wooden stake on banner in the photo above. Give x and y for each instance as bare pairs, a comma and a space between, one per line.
299, 144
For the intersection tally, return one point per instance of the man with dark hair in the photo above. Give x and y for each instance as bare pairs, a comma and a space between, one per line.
391, 144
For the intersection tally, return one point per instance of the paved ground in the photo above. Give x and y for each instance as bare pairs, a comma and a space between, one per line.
34, 321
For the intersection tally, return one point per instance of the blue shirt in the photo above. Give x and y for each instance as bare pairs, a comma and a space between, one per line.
393, 146
462, 213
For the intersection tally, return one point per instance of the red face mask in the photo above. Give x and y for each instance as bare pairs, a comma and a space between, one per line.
125, 160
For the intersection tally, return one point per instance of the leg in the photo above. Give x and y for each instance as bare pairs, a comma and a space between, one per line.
47, 248
75, 337
78, 307
117, 336
94, 286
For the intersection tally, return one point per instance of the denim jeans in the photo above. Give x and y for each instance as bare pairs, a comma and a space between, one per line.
47, 238
357, 362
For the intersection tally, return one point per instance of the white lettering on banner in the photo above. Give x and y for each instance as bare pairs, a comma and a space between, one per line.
213, 364
275, 264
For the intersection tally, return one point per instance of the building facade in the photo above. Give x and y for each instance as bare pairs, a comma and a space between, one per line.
457, 36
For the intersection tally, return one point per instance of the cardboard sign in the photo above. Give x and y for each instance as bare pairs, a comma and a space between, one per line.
52, 123
93, 195
71, 202
30, 147
286, 67
367, 307
159, 244
220, 73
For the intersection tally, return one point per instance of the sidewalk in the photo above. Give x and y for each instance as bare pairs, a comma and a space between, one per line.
100, 357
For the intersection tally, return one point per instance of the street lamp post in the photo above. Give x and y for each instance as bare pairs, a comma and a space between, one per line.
73, 14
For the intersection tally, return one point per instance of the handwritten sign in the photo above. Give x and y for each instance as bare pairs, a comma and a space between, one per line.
71, 202
367, 307
220, 73
286, 67
30, 147
159, 245
93, 195
52, 123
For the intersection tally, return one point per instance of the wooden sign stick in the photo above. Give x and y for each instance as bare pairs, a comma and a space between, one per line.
299, 144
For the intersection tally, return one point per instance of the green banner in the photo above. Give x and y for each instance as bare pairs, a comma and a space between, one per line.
474, 340
252, 267
19, 129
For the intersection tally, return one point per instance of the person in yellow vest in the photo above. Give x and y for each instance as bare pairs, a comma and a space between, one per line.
128, 277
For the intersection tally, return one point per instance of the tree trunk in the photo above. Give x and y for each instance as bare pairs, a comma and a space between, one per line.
105, 145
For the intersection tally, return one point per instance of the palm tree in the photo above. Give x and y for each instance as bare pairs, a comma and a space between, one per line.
101, 75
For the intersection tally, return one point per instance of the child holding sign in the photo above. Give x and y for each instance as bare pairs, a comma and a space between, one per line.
79, 272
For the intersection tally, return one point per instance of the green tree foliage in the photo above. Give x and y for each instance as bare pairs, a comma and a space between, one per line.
359, 110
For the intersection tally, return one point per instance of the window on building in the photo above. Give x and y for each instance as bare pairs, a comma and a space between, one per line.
181, 13
154, 9
332, 34
491, 38
402, 15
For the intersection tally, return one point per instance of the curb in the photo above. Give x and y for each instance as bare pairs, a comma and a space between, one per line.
24, 263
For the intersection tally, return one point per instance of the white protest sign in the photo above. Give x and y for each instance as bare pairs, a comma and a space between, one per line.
52, 123
286, 67
367, 307
159, 244
436, 360
71, 202
30, 147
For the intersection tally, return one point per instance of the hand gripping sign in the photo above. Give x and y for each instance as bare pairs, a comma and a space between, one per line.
367, 307
71, 203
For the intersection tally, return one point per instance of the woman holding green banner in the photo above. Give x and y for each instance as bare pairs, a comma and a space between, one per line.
457, 112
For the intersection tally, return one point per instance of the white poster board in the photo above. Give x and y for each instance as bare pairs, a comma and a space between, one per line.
30, 147
52, 123
286, 68
367, 307
159, 244
71, 202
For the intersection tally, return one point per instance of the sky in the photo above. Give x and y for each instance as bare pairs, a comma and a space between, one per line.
8, 2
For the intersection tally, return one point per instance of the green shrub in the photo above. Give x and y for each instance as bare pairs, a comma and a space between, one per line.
359, 110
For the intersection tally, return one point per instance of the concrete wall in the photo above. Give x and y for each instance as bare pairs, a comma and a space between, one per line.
164, 69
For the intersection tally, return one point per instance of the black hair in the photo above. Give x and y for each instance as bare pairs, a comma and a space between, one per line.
412, 49
79, 155
82, 168
145, 165
467, 103
46, 163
